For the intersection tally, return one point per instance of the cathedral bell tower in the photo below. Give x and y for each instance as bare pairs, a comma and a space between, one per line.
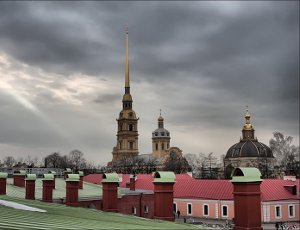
160, 140
127, 135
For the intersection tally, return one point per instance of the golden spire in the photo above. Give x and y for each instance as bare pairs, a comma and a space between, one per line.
127, 61
160, 120
127, 99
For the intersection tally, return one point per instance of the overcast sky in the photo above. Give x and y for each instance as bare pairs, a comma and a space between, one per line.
62, 73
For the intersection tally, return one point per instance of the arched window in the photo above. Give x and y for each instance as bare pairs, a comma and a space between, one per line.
120, 127
156, 146
162, 146
130, 127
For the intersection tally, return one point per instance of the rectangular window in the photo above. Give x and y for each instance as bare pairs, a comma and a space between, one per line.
205, 210
291, 211
162, 146
224, 211
189, 209
278, 211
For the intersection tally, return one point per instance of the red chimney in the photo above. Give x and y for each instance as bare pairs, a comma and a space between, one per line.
247, 198
54, 177
163, 195
30, 186
48, 181
19, 178
72, 190
3, 177
81, 174
110, 183
132, 182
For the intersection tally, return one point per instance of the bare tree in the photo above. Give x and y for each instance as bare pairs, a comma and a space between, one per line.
195, 161
54, 160
9, 161
177, 164
76, 160
286, 153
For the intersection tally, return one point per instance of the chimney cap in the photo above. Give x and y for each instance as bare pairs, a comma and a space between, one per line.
3, 175
20, 172
242, 175
72, 177
52, 172
110, 178
30, 176
164, 177
48, 176
68, 170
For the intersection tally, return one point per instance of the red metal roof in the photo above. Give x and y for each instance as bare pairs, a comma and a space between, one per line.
188, 187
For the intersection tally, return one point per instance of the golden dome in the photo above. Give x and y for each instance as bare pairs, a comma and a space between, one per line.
160, 118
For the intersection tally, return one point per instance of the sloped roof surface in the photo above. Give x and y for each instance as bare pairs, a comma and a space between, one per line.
188, 187
63, 217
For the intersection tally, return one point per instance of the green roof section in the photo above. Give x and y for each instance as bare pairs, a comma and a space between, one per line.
48, 176
81, 173
30, 177
3, 175
110, 178
72, 177
89, 191
164, 177
243, 175
58, 216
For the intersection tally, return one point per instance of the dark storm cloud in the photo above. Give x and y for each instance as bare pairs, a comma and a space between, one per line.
204, 60
108, 99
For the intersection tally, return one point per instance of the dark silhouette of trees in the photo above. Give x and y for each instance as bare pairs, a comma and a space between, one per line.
177, 164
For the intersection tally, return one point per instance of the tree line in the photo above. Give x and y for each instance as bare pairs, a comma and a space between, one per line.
205, 166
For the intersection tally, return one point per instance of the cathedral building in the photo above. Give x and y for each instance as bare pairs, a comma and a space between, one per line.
127, 134
249, 152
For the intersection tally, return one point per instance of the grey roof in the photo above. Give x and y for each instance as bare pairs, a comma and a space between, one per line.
161, 132
249, 148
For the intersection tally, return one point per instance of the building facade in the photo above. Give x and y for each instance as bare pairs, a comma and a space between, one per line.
214, 200
127, 134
